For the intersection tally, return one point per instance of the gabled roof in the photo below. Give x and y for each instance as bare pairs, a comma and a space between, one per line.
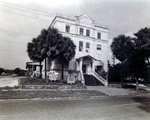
85, 17
87, 56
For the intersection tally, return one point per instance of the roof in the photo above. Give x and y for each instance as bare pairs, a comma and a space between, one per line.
87, 56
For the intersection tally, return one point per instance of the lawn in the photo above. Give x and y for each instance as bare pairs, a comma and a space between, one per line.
48, 94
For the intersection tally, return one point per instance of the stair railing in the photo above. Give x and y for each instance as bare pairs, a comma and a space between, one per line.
101, 79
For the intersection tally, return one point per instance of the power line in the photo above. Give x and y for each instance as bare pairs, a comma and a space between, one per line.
23, 15
17, 32
12, 51
23, 9
35, 10
12, 41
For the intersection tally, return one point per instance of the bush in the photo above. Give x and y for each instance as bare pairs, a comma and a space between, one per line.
16, 70
114, 73
1, 70
19, 72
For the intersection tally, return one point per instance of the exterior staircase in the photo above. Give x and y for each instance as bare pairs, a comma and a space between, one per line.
93, 78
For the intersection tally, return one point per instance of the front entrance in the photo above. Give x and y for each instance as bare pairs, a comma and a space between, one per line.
84, 68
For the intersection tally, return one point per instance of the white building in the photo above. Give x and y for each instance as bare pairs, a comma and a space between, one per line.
91, 40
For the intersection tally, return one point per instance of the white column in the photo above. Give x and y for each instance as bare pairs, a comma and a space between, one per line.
93, 66
82, 78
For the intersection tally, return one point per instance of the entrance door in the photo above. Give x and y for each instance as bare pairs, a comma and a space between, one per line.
84, 68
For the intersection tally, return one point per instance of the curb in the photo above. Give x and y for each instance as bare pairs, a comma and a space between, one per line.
75, 98
56, 98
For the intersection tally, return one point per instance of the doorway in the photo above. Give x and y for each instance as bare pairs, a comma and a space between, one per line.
84, 68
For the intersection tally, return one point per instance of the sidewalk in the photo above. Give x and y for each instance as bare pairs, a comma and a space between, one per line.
111, 91
91, 92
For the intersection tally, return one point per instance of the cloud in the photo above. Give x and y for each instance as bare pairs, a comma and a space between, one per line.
121, 16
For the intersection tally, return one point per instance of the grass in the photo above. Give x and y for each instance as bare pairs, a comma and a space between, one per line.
39, 81
13, 93
48, 94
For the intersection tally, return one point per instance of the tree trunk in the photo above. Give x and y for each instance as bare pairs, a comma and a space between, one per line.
40, 70
137, 84
121, 74
62, 71
45, 71
49, 63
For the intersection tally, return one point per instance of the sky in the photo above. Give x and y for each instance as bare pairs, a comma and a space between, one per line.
22, 20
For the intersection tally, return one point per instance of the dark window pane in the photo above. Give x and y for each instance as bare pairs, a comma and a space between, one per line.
81, 31
99, 35
87, 32
67, 28
81, 46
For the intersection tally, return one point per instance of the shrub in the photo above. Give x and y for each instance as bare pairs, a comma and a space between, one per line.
16, 70
19, 72
1, 70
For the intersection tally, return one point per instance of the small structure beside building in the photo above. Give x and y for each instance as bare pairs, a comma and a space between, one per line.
33, 69
91, 40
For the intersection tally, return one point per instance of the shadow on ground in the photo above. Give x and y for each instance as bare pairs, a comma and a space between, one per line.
145, 103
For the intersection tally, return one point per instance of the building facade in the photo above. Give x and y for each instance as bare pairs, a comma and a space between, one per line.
91, 40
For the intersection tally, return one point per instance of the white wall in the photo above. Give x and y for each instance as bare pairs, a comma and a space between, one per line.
60, 24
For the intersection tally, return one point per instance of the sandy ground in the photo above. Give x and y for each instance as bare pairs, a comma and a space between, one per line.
8, 81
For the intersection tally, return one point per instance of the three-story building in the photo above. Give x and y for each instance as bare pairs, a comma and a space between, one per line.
91, 40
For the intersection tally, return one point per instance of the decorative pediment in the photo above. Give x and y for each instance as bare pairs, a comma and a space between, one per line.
85, 19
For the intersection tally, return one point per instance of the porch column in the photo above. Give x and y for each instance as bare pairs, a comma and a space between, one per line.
93, 66
82, 78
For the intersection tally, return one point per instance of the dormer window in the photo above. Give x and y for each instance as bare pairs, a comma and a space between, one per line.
87, 32
67, 28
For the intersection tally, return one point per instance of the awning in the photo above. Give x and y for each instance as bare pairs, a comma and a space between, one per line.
99, 63
87, 56
33, 63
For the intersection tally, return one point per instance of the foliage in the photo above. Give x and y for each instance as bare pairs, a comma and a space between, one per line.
1, 70
19, 72
51, 44
34, 48
67, 52
114, 74
134, 54
16, 70
121, 47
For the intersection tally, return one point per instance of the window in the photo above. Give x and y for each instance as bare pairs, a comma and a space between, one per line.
81, 46
81, 31
99, 48
67, 28
99, 35
87, 32
87, 47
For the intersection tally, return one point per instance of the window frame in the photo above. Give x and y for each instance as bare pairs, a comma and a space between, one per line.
81, 32
99, 46
98, 35
87, 47
88, 32
81, 46
67, 29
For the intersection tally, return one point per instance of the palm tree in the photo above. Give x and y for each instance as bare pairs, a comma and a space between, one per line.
122, 46
34, 52
67, 52
51, 44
